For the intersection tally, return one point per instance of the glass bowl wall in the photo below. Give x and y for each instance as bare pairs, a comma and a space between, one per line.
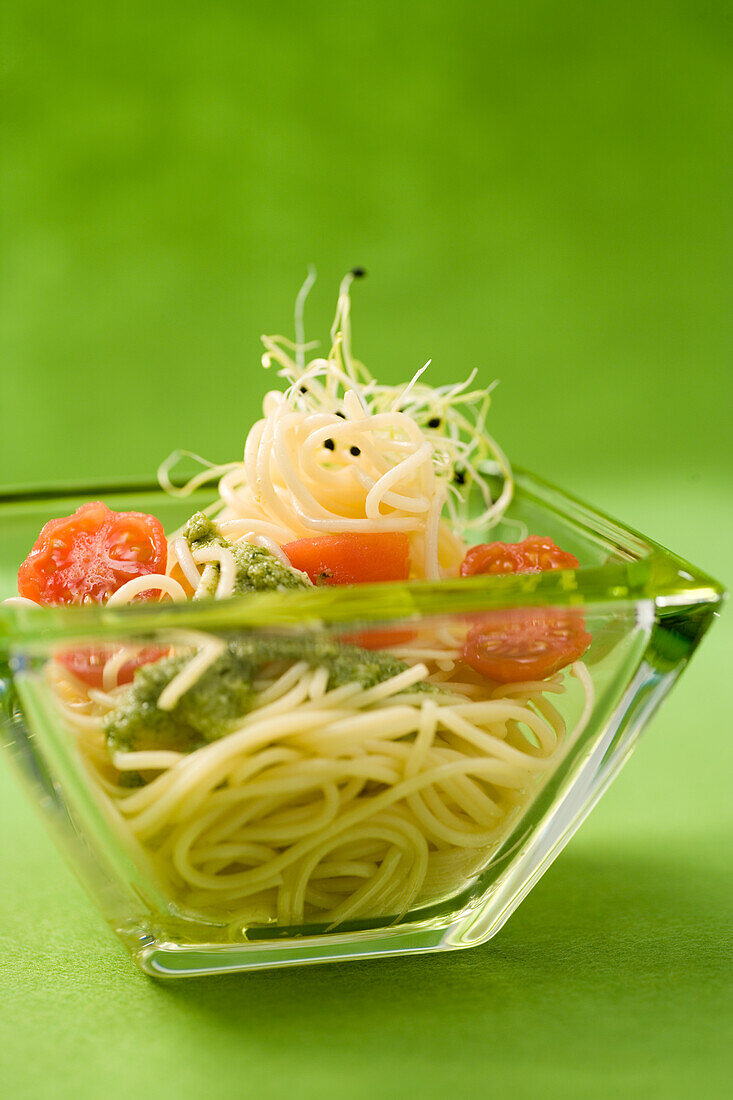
645, 609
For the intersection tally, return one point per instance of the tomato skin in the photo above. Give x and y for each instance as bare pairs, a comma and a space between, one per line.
88, 664
351, 558
525, 643
535, 554
85, 557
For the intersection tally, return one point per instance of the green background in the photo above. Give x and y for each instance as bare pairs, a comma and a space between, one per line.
536, 190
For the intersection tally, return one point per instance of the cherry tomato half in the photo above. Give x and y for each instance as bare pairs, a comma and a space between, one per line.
85, 557
351, 558
88, 664
525, 643
534, 555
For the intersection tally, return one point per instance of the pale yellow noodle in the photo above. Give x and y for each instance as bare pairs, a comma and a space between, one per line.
334, 805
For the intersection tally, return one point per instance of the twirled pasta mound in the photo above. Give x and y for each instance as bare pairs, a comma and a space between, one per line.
326, 802
329, 805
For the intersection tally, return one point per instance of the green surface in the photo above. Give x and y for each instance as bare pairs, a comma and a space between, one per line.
536, 190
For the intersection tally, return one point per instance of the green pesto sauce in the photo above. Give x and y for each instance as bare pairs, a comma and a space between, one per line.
257, 570
225, 692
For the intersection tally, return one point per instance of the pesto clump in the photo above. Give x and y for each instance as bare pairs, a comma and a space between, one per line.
225, 692
257, 570
203, 713
346, 664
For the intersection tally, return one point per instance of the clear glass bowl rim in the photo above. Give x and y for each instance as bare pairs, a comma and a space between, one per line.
645, 571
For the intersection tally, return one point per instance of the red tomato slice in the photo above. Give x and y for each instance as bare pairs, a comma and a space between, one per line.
525, 643
352, 559
88, 664
85, 557
534, 555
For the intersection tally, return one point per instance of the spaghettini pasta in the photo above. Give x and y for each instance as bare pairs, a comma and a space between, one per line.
299, 779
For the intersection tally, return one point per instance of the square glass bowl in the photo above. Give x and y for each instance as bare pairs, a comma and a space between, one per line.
319, 829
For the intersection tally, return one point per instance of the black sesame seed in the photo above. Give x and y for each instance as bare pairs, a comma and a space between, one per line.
342, 415
459, 477
304, 389
358, 272
329, 445
355, 451
434, 422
